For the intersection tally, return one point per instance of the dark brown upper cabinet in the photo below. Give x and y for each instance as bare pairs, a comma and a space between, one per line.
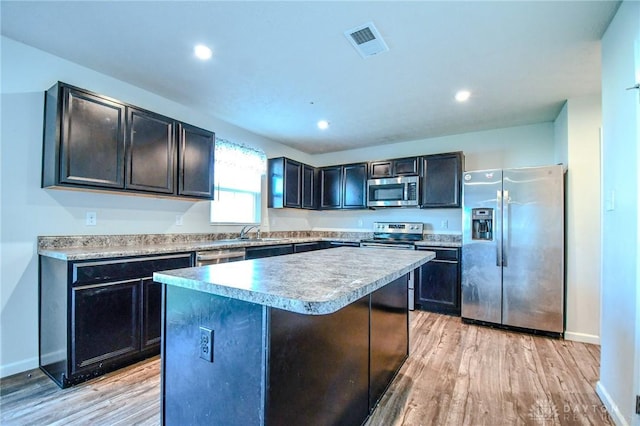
151, 152
291, 184
380, 169
94, 142
406, 166
343, 187
83, 140
330, 187
409, 166
442, 184
309, 184
196, 161
284, 189
293, 187
354, 186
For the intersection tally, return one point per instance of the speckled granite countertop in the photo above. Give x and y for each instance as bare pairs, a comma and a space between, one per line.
87, 253
87, 247
315, 283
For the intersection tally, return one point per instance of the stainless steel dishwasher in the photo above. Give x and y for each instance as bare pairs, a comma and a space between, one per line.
212, 257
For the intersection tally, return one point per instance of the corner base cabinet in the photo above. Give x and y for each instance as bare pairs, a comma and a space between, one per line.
100, 315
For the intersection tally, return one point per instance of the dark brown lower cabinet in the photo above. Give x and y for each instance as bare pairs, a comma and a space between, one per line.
105, 324
268, 251
439, 282
100, 315
312, 246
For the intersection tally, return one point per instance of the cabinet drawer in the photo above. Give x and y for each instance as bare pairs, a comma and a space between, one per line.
268, 251
121, 269
450, 254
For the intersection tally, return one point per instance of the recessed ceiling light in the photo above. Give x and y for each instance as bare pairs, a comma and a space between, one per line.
323, 124
202, 52
463, 95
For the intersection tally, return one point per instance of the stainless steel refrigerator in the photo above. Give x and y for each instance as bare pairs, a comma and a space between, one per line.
513, 247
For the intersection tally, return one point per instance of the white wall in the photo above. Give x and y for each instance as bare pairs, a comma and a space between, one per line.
577, 144
500, 148
29, 211
490, 149
561, 136
582, 148
620, 325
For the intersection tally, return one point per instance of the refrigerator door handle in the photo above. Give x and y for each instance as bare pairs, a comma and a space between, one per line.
505, 234
498, 238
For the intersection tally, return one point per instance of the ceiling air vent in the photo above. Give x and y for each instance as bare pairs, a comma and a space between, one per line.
367, 40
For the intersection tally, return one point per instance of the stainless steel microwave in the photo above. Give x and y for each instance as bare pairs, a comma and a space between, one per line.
402, 191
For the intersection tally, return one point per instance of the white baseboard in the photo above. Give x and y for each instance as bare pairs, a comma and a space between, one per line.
611, 407
7, 370
582, 337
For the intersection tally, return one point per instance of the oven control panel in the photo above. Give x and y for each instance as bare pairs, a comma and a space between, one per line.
398, 227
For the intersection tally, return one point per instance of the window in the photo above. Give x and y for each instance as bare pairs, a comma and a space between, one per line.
238, 175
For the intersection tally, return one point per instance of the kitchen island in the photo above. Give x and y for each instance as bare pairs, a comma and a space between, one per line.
308, 338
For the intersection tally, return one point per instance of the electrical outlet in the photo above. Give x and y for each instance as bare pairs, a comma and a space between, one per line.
91, 219
179, 220
206, 344
444, 224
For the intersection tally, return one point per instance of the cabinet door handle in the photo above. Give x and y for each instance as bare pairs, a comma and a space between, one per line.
496, 229
506, 237
443, 261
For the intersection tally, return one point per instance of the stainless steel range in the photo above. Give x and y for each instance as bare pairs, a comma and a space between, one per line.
398, 236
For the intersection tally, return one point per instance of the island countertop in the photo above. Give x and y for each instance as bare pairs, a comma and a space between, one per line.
312, 283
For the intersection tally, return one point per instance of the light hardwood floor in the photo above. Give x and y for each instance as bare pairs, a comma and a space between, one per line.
457, 374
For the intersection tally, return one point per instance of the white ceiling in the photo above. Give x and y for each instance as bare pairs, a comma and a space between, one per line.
279, 67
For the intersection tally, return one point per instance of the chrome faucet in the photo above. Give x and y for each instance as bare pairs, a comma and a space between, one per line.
245, 229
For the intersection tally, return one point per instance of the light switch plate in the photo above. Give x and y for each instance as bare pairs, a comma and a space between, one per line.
610, 202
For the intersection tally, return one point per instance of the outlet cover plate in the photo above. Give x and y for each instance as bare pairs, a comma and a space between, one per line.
206, 344
91, 219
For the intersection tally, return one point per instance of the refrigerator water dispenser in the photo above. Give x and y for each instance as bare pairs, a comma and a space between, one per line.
482, 224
